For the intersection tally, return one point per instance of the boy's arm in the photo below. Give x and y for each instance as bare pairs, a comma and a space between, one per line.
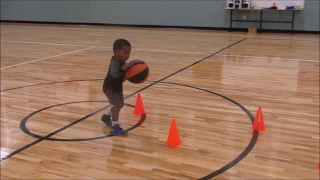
115, 69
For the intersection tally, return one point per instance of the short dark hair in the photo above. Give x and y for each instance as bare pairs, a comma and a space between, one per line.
119, 43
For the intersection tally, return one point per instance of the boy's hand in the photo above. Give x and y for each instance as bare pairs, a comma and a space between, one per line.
134, 62
130, 64
125, 66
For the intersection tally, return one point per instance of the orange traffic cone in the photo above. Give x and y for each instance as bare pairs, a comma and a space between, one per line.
173, 136
139, 108
258, 123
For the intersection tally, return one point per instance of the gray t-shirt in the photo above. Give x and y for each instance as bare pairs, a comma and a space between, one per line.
115, 77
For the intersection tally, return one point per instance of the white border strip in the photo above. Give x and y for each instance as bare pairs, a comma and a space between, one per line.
166, 51
273, 58
33, 42
46, 58
154, 50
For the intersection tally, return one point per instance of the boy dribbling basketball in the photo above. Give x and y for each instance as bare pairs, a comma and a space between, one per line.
113, 84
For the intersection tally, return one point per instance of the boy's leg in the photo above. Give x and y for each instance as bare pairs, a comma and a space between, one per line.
116, 99
106, 117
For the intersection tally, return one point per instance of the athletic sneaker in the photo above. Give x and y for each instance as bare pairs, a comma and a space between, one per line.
106, 119
117, 130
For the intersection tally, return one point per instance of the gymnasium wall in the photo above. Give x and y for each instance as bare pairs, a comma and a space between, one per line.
197, 13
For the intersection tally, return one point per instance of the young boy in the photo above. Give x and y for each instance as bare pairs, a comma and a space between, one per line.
112, 86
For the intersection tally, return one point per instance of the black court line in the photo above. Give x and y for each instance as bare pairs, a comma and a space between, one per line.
101, 109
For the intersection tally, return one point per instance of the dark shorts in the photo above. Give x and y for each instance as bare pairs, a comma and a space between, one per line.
114, 97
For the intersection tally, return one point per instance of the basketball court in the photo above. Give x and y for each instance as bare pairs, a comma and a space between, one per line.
211, 83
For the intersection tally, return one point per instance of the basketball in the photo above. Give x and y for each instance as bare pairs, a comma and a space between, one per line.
138, 73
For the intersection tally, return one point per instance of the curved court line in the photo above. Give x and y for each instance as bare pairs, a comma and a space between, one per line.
246, 151
26, 130
61, 129
241, 156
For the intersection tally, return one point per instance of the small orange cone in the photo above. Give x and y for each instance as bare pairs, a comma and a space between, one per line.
139, 108
173, 136
258, 123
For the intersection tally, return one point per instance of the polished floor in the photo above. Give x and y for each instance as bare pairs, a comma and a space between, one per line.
210, 82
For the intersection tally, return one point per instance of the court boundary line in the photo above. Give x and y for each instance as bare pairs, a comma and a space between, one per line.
46, 43
281, 39
126, 97
165, 51
36, 60
102, 47
161, 28
265, 57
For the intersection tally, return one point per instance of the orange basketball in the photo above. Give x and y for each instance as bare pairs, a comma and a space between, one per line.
138, 73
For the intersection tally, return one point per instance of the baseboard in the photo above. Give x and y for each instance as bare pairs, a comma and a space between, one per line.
163, 26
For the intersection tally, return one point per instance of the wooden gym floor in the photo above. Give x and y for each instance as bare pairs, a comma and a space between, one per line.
210, 82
